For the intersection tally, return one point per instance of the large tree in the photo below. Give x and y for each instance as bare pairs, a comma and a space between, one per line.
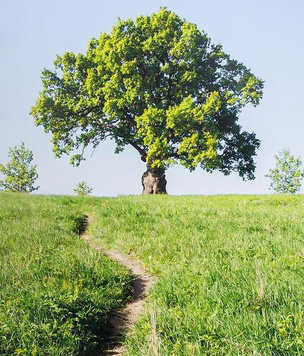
159, 85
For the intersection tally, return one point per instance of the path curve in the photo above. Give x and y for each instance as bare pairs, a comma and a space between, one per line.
124, 319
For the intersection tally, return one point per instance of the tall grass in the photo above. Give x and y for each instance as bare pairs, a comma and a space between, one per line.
230, 272
56, 293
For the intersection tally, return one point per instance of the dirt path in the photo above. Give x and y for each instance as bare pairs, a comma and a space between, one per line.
124, 319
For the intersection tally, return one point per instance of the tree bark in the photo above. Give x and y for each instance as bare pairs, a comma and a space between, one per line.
154, 181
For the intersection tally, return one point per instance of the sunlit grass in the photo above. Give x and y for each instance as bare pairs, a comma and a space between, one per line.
56, 293
230, 272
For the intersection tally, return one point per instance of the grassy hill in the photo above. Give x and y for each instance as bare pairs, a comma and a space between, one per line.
56, 293
229, 273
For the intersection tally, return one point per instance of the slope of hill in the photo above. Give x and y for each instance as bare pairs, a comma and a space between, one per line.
230, 272
228, 269
56, 293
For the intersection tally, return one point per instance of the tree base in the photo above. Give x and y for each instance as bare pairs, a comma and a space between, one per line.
154, 181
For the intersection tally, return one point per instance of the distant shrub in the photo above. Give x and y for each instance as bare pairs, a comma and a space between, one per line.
83, 189
287, 175
19, 171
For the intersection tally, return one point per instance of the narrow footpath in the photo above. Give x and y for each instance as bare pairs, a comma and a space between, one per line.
124, 319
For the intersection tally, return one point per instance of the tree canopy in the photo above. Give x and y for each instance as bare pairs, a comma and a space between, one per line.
159, 85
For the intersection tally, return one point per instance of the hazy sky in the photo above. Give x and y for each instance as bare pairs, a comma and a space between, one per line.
266, 35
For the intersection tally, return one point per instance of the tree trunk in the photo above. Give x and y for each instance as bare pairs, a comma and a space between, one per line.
154, 181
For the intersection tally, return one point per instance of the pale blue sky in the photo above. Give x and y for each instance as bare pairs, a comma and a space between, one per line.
266, 35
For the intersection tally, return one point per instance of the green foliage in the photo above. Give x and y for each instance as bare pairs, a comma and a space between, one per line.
82, 188
56, 293
159, 85
19, 171
229, 272
287, 175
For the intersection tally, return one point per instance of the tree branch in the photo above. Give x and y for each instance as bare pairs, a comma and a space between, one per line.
141, 151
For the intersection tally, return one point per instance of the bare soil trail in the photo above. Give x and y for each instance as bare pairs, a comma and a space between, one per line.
124, 319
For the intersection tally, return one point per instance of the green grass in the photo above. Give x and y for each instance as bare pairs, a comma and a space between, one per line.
56, 293
230, 272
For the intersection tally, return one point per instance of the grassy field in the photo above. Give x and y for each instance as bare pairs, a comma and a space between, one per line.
230, 273
55, 292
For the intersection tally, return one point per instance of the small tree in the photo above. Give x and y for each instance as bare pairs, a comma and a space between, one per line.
83, 189
286, 176
20, 173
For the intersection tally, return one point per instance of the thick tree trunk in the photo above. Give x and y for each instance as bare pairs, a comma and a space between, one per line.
154, 181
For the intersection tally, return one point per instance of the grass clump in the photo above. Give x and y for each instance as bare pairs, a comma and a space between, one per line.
229, 268
56, 293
